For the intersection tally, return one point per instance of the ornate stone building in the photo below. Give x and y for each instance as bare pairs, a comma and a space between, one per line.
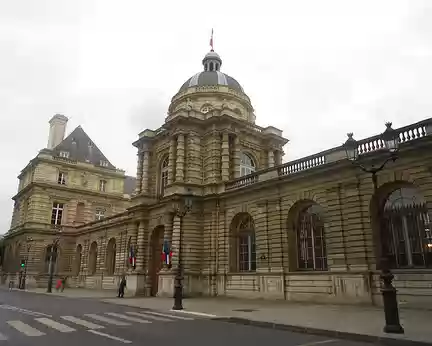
312, 229
69, 183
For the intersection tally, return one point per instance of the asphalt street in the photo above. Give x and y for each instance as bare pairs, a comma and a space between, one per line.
36, 319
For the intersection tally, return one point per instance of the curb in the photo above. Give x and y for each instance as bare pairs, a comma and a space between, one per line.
381, 340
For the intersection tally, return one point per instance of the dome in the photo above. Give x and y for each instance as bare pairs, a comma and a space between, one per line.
211, 75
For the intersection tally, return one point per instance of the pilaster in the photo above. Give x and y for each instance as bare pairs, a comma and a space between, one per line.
225, 157
145, 171
193, 159
141, 236
236, 158
171, 161
180, 158
176, 234
139, 173
271, 158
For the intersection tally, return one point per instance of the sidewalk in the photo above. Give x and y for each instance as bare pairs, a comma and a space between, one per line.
351, 322
73, 292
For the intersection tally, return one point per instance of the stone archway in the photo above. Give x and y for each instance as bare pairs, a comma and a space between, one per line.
77, 263
156, 243
307, 248
111, 257
92, 261
401, 227
242, 245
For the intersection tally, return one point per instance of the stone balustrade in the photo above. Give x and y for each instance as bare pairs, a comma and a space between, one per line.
368, 145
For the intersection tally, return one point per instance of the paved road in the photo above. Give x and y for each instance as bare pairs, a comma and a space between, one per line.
28, 319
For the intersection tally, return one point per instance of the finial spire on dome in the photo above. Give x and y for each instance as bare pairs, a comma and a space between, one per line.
211, 42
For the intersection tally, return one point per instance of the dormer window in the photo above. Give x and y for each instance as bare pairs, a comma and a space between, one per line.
103, 163
61, 178
64, 154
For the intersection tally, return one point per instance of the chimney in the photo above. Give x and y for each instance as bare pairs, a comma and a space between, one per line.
57, 130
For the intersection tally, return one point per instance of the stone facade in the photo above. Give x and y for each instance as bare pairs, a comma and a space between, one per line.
59, 190
306, 230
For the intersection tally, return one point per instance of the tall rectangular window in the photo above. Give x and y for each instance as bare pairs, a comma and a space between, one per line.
57, 213
61, 178
102, 185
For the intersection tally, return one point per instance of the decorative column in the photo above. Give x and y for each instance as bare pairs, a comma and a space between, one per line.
139, 173
271, 158
236, 158
140, 246
168, 227
194, 172
180, 158
176, 240
145, 171
171, 161
225, 157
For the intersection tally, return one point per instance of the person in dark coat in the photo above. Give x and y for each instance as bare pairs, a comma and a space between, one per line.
122, 287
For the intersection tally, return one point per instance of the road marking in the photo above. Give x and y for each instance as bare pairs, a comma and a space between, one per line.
24, 311
193, 313
81, 322
166, 315
127, 318
55, 325
110, 336
3, 337
156, 318
25, 328
313, 343
107, 320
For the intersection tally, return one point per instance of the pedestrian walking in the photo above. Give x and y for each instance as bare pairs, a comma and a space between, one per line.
63, 283
58, 284
122, 287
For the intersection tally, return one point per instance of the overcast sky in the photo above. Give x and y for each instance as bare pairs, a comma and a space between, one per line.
315, 69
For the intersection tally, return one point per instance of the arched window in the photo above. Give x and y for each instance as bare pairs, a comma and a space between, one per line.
311, 246
78, 255
247, 165
163, 178
243, 247
111, 256
93, 253
406, 230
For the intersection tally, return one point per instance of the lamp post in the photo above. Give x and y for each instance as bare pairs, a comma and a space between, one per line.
29, 244
391, 141
178, 281
53, 255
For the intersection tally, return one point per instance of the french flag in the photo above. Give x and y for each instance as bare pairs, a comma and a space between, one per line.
166, 253
132, 259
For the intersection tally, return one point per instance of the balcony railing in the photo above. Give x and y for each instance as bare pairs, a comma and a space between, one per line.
368, 145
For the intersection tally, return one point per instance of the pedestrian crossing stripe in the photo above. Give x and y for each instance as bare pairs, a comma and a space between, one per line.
156, 318
127, 318
55, 325
84, 323
25, 328
107, 320
118, 319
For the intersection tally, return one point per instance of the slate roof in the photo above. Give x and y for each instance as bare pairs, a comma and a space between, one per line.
82, 149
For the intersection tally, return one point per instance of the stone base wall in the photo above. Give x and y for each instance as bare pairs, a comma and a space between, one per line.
414, 289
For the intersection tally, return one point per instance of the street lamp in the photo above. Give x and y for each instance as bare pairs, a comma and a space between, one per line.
53, 255
23, 281
178, 283
391, 141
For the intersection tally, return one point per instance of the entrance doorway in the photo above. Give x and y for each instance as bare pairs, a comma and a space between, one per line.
156, 258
